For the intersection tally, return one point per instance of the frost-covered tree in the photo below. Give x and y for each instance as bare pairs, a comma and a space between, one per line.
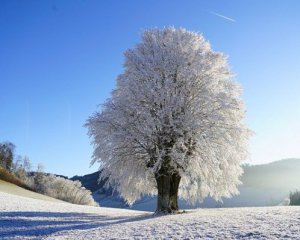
174, 125
295, 198
27, 164
21, 169
7, 155
39, 179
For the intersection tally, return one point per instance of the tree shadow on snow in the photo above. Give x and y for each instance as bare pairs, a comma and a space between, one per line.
39, 224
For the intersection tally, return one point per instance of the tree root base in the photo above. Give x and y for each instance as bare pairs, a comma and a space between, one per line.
172, 212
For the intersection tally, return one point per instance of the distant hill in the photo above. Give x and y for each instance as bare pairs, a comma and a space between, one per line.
263, 185
279, 175
90, 181
105, 197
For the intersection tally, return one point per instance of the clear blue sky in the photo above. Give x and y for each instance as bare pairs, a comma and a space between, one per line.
60, 59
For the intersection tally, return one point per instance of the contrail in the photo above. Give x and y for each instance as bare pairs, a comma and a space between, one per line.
69, 120
222, 16
27, 124
27, 129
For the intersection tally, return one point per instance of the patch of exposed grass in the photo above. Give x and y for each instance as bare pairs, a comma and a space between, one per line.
10, 177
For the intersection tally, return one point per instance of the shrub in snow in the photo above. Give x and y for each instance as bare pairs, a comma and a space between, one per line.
174, 124
285, 202
66, 190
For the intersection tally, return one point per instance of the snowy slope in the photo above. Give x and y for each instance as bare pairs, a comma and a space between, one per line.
26, 218
16, 190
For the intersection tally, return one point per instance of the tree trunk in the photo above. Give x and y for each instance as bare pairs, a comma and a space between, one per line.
167, 198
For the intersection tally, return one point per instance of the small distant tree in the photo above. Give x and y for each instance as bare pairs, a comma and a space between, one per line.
174, 125
18, 168
295, 198
39, 179
21, 168
27, 164
7, 155
17, 163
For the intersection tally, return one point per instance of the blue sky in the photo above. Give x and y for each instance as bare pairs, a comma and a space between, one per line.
60, 59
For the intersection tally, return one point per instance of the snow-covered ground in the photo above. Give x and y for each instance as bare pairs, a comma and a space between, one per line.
26, 218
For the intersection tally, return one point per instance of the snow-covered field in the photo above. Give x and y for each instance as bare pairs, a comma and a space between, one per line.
26, 218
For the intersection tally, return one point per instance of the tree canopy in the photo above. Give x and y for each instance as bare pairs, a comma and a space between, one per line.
176, 116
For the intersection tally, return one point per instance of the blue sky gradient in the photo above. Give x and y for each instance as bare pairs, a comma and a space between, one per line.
60, 59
